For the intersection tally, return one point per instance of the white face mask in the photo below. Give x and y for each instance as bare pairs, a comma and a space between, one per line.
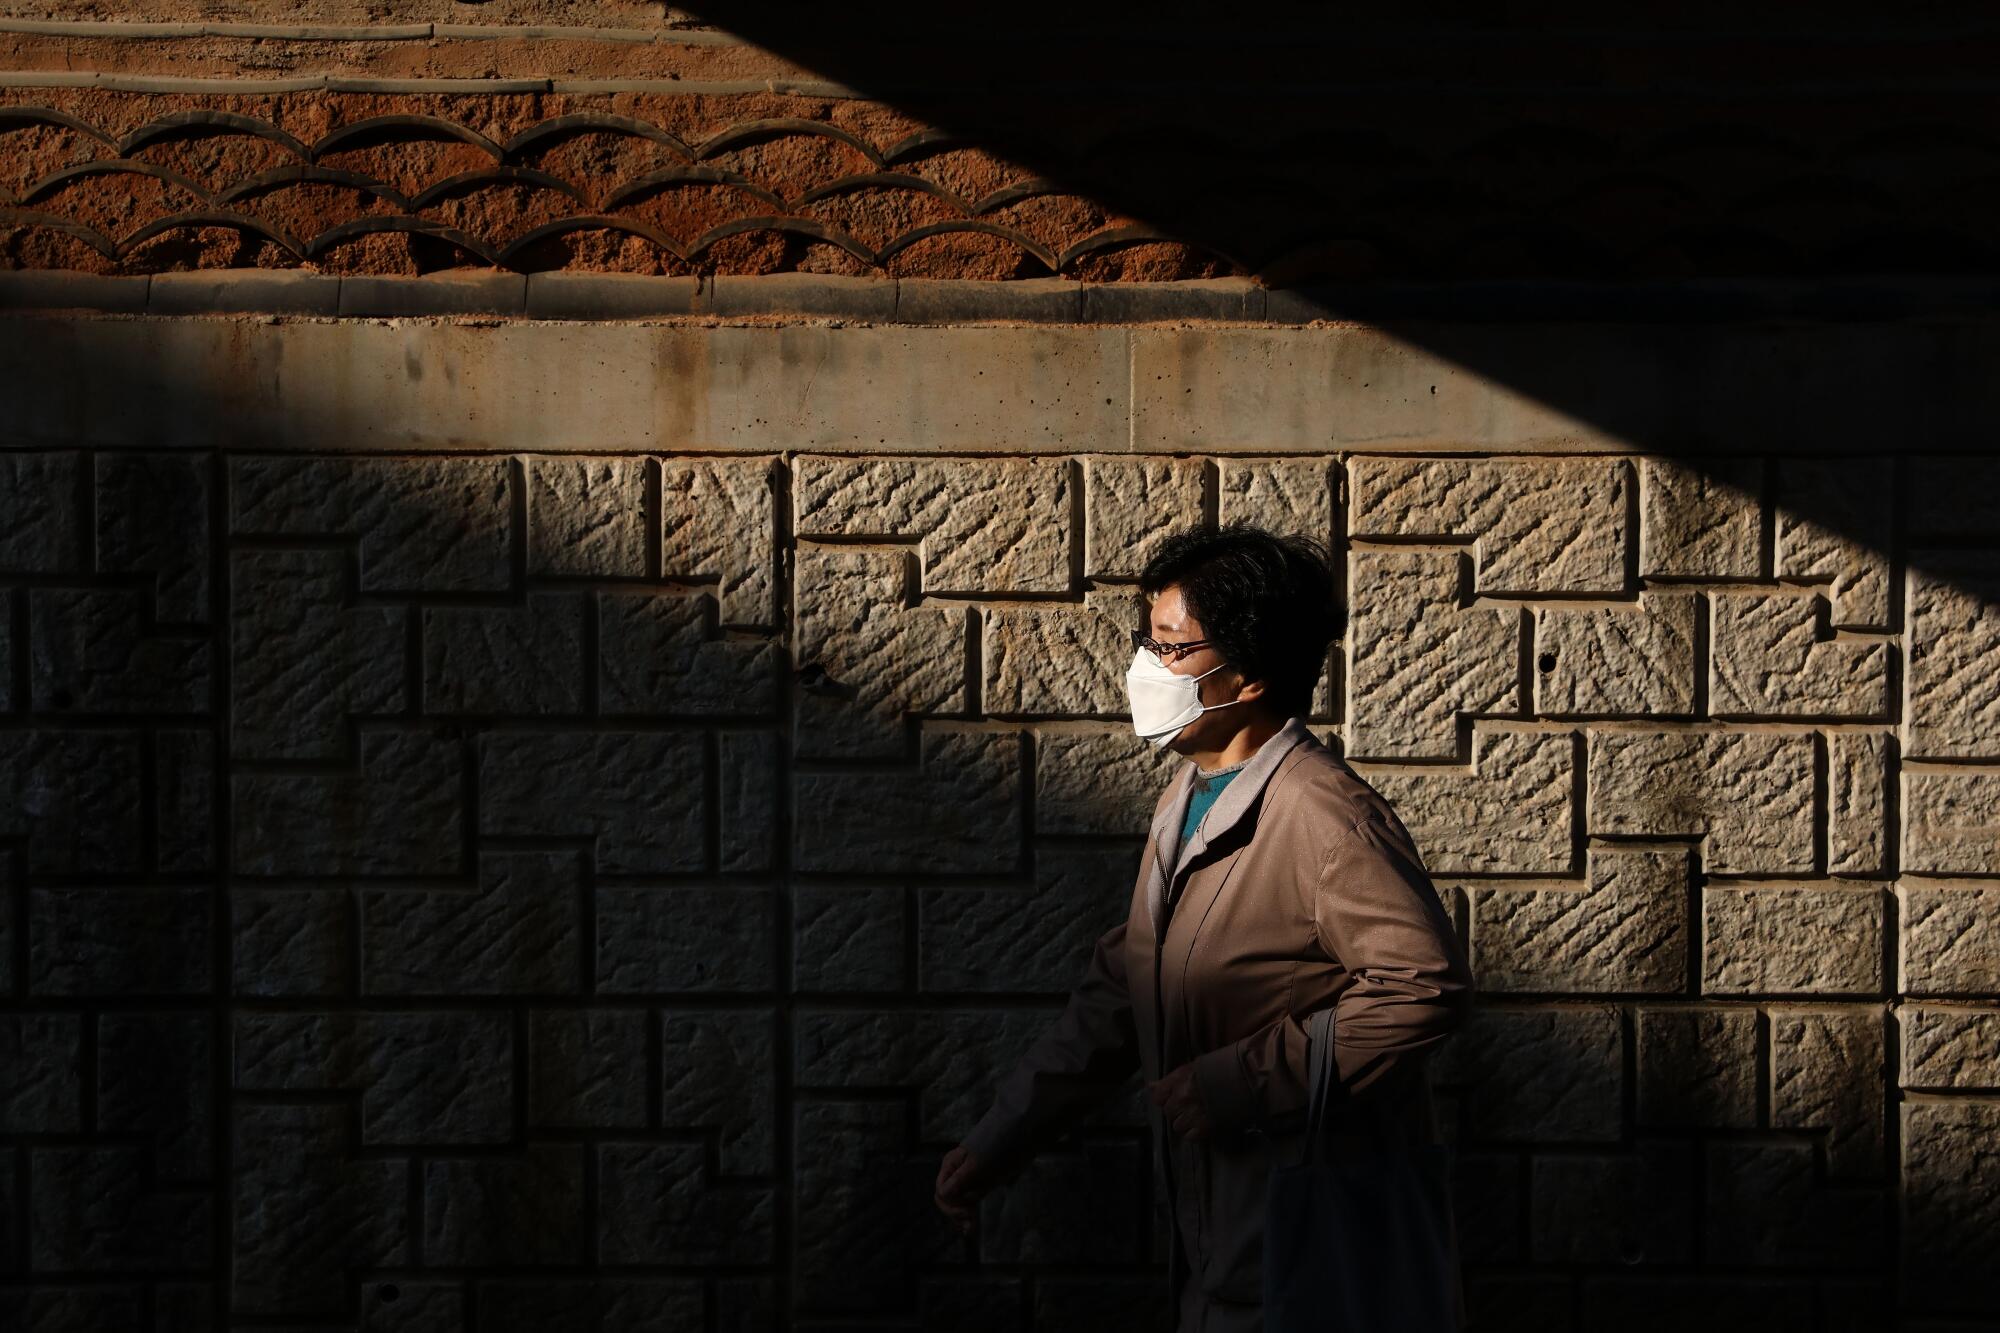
1164, 701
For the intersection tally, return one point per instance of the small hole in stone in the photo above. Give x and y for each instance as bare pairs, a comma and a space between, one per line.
62, 698
1631, 1252
1547, 662
388, 1291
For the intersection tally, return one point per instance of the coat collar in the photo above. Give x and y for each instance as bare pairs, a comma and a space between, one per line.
1230, 807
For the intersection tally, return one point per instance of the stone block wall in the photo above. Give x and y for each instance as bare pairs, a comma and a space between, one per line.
523, 890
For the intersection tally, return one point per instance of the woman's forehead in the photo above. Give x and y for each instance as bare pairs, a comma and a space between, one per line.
1169, 612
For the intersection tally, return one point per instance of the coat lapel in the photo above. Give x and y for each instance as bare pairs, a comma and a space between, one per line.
1165, 837
1236, 801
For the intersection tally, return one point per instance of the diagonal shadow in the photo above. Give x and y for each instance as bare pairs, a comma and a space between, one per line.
1494, 186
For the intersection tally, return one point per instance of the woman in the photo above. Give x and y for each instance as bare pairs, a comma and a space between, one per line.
1274, 882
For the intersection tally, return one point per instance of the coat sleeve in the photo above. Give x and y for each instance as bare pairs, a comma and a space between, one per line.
1077, 1064
1376, 912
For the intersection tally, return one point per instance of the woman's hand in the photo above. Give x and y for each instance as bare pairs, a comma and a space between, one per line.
962, 1180
1180, 1101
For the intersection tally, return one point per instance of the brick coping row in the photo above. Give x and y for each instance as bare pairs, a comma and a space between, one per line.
576, 296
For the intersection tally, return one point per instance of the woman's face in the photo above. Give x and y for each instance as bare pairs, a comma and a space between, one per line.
1172, 623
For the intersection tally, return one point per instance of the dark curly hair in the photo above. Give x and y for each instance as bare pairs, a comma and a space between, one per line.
1268, 600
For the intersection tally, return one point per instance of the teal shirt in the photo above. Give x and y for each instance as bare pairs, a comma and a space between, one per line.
1207, 786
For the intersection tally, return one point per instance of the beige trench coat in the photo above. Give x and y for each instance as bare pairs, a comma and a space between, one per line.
1300, 889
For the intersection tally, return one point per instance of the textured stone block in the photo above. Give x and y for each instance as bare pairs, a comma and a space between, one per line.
848, 939
1951, 821
1767, 1206
1950, 1048
587, 517
1676, 1302
545, 1303
1098, 782
400, 815
718, 521
304, 1211
958, 812
1520, 1302
1698, 1067
93, 1208
1767, 658
1069, 1207
587, 1068
1953, 604
433, 1077
1951, 940
75, 797
1281, 494
109, 942
156, 1073
423, 523
950, 1058
516, 933
43, 1092
1827, 1074
1699, 520
881, 659
293, 942
1035, 938
656, 1205
40, 534
637, 797
1058, 658
1833, 527
94, 653
1857, 816
499, 1212
984, 1304
302, 661
404, 1303
1621, 659
1792, 938
1951, 1203
1078, 1305
7, 918
1420, 659
1624, 930
1747, 796
1542, 1075
47, 1305
1628, 1208
1950, 495
6, 650
505, 659
1490, 1192
1130, 506
685, 939
718, 1072
749, 786
854, 1245
1535, 524
184, 800
657, 656
1508, 814
154, 518
982, 525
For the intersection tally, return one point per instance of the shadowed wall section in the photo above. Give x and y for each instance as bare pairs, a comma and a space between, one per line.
561, 592
591, 888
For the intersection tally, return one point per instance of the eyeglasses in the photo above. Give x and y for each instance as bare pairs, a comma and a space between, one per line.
1167, 652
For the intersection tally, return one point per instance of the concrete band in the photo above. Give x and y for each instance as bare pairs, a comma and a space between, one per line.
764, 382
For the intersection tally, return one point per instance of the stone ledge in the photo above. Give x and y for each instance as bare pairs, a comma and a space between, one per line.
363, 32
586, 296
770, 384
